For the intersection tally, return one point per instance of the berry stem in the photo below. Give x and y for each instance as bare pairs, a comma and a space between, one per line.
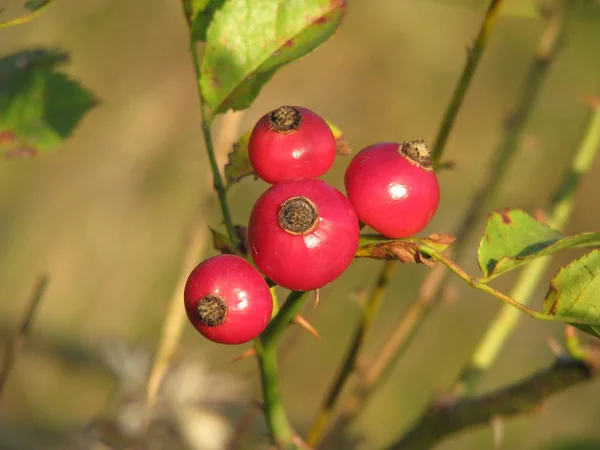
507, 318
435, 283
218, 184
473, 57
280, 429
207, 120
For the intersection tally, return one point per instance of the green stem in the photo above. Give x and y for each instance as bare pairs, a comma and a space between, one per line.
473, 58
280, 322
207, 120
481, 285
26, 18
349, 361
562, 202
280, 429
560, 212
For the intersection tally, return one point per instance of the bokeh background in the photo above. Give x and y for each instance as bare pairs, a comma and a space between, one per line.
108, 216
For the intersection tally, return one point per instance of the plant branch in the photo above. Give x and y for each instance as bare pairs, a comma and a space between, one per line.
280, 322
349, 362
280, 429
507, 318
482, 286
26, 18
473, 57
18, 338
420, 308
444, 418
207, 120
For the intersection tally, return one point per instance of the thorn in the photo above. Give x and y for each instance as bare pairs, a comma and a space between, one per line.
497, 425
299, 320
246, 354
317, 298
556, 349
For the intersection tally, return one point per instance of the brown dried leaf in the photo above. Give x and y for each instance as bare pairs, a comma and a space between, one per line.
404, 250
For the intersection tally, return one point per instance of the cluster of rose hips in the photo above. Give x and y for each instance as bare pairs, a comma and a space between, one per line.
304, 233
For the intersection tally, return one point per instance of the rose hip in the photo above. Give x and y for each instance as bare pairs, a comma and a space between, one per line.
291, 142
393, 187
303, 233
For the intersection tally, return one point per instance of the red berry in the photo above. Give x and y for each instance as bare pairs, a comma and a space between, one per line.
227, 300
303, 233
393, 187
291, 142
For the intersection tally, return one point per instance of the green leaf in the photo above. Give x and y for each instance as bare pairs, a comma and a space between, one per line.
238, 165
34, 5
249, 40
203, 12
513, 238
223, 244
575, 292
404, 250
39, 106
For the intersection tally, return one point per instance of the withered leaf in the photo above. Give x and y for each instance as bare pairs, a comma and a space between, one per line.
404, 250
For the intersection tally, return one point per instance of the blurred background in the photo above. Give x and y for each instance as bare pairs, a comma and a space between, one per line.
109, 213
